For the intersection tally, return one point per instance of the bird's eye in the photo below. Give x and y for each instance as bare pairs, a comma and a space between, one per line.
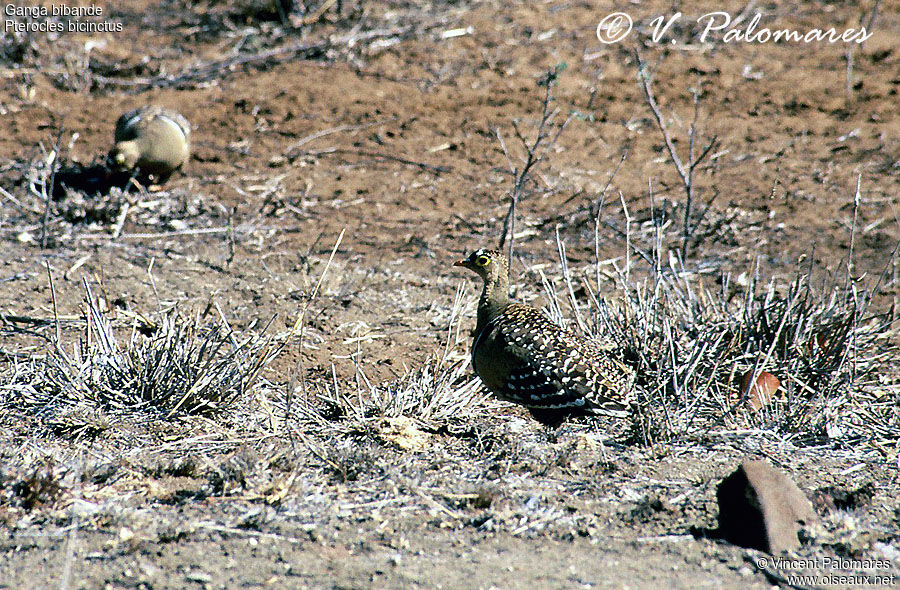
482, 261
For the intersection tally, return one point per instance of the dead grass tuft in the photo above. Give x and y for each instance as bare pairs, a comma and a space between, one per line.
693, 341
691, 348
184, 366
434, 396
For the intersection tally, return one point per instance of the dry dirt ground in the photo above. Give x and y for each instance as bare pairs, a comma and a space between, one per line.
382, 121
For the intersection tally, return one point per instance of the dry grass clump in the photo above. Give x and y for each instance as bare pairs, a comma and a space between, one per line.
692, 348
434, 395
442, 393
182, 367
832, 358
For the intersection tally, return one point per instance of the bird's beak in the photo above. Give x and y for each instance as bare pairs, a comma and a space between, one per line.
460, 262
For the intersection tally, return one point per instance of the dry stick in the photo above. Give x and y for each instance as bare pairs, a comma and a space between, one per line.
871, 21
300, 329
153, 284
230, 237
531, 159
848, 78
856, 199
609, 180
454, 316
172, 234
105, 338
627, 238
382, 156
567, 278
657, 242
685, 172
294, 147
553, 306
52, 160
21, 206
597, 242
849, 285
220, 68
319, 12
53, 297
66, 576
533, 156
120, 221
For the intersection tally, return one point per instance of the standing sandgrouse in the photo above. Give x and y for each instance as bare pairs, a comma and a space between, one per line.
525, 358
154, 140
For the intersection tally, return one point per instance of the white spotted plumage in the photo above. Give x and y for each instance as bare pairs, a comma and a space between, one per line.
525, 358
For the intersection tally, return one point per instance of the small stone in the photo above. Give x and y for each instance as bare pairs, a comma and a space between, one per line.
198, 577
403, 433
762, 508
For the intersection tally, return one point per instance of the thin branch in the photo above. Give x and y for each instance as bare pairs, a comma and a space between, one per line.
686, 172
534, 153
299, 329
47, 186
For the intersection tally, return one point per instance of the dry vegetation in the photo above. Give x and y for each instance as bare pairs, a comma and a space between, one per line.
269, 351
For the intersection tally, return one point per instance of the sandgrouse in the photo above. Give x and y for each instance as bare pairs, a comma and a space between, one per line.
525, 358
153, 140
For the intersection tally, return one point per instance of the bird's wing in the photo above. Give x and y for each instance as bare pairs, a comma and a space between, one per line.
126, 129
552, 368
136, 121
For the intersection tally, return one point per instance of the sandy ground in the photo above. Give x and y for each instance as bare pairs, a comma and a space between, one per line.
382, 122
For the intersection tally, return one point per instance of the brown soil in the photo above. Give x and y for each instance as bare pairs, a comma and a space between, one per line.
393, 140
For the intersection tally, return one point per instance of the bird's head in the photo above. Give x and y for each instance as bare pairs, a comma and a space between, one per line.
125, 154
488, 264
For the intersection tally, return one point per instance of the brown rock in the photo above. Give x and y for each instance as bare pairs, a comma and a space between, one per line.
762, 508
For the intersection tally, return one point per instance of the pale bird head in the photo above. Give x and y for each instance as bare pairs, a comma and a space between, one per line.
125, 154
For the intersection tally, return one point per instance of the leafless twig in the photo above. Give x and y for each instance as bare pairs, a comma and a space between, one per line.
47, 186
870, 24
686, 172
299, 330
545, 138
53, 296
